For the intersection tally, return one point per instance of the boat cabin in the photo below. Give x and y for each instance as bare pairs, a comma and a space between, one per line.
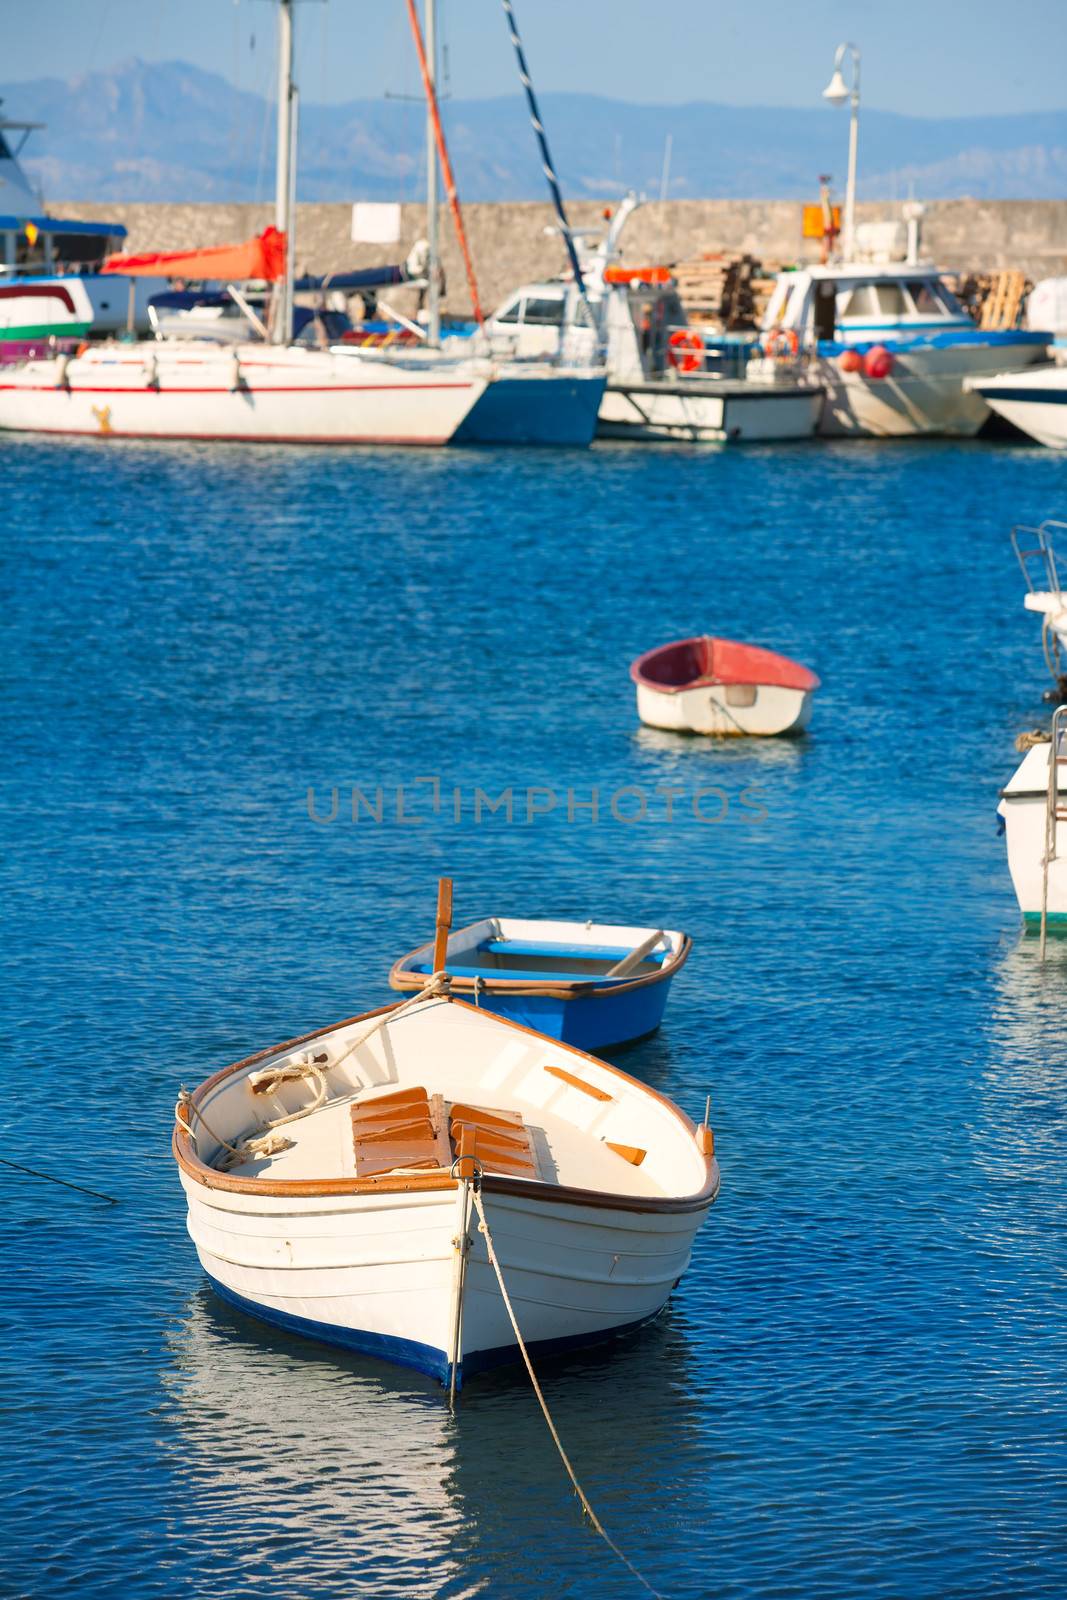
853, 303
32, 242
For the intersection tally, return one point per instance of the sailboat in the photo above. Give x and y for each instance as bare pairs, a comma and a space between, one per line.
266, 389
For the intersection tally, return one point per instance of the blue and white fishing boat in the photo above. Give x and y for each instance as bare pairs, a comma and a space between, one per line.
890, 341
592, 985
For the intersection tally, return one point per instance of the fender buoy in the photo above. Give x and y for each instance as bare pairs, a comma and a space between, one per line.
783, 344
685, 350
878, 363
851, 361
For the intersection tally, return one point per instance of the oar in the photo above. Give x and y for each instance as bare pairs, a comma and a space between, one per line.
444, 924
623, 968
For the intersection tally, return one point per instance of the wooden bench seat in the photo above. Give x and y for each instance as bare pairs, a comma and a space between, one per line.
410, 1130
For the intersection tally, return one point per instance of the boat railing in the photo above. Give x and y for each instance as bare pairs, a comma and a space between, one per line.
689, 350
1055, 812
1039, 556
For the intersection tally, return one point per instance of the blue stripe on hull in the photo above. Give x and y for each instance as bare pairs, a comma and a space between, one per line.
408, 1352
1035, 396
1056, 919
590, 1023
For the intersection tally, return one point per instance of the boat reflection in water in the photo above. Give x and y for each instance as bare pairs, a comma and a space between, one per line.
299, 1470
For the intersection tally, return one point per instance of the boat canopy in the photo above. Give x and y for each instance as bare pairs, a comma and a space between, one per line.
262, 257
61, 229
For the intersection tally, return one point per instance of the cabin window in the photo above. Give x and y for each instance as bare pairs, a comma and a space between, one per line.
926, 299
510, 313
544, 313
860, 301
891, 302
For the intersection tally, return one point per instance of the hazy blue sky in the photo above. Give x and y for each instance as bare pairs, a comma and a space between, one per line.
949, 58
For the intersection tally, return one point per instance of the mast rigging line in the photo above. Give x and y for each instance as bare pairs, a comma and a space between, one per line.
446, 164
546, 155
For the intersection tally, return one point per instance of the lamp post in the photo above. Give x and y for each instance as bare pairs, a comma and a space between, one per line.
837, 92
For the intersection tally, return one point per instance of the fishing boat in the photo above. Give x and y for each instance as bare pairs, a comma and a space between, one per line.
330, 1182
719, 686
667, 380
896, 352
590, 984
1035, 402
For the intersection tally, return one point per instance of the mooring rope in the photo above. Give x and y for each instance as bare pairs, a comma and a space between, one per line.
49, 1177
483, 1228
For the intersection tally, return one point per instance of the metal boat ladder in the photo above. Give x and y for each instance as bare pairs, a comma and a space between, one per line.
1055, 810
1037, 558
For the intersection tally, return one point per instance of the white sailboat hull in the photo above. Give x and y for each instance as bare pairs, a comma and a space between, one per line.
253, 393
708, 709
375, 1274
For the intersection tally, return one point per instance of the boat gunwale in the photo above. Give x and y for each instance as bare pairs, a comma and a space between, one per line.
402, 977
207, 1177
718, 679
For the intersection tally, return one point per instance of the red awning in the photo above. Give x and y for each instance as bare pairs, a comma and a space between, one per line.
256, 258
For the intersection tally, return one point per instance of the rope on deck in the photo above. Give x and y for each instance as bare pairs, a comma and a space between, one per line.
483, 1228
268, 1141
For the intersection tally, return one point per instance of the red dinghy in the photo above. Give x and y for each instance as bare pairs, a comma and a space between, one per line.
720, 686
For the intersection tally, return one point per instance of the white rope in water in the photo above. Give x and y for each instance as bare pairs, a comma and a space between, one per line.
483, 1228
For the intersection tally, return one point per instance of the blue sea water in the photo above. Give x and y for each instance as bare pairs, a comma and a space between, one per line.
859, 1387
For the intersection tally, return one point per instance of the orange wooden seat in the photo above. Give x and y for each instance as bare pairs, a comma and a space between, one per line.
498, 1140
399, 1131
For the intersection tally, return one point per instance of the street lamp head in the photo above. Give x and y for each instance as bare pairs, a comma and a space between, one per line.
836, 90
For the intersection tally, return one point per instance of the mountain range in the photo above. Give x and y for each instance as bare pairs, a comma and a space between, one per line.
171, 131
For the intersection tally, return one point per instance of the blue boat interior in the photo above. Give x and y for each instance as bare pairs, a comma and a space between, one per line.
535, 958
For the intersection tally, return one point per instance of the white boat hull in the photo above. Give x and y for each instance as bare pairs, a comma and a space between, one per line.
728, 411
1035, 403
1023, 806
375, 1274
353, 1235
719, 710
925, 392
250, 392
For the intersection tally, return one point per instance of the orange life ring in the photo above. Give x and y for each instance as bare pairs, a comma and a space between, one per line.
783, 344
685, 350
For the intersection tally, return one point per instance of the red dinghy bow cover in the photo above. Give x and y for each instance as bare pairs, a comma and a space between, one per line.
691, 663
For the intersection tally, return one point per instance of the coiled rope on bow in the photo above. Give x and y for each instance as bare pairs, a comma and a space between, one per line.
267, 1141
483, 1229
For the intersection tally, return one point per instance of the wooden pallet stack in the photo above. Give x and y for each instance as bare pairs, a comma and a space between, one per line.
995, 300
724, 291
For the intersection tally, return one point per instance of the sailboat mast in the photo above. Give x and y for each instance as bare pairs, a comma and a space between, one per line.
433, 295
282, 320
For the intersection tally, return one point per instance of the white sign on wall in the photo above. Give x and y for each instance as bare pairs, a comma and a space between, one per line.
375, 222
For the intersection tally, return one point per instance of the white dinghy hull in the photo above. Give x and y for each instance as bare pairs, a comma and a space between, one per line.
590, 1243
708, 709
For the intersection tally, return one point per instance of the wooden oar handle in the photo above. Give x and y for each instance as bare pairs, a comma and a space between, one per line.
444, 923
636, 956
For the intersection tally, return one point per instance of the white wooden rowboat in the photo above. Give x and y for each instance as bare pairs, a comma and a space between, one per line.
718, 686
350, 1222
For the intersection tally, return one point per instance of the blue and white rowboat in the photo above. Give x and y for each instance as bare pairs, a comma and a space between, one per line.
588, 984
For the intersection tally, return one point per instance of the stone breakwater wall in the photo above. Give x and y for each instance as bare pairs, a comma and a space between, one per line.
510, 244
